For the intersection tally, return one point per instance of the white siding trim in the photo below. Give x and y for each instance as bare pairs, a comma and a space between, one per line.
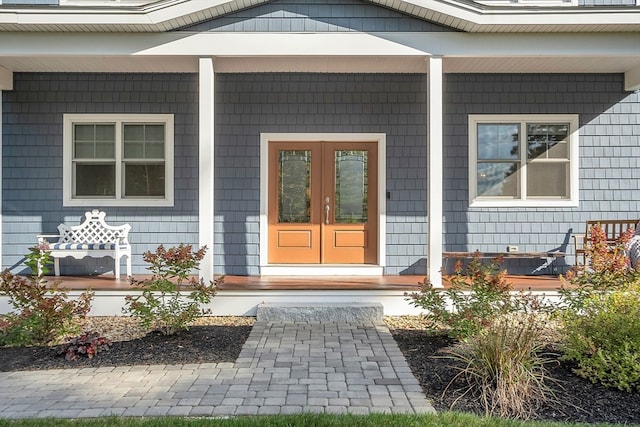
435, 171
206, 149
632, 79
6, 79
381, 140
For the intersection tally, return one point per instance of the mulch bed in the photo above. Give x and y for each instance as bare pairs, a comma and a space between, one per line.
200, 344
578, 400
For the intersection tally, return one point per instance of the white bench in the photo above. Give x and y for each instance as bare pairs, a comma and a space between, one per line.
93, 238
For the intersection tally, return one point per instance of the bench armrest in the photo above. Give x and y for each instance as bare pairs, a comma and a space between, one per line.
42, 238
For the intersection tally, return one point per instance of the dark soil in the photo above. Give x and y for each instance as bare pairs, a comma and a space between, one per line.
578, 400
200, 344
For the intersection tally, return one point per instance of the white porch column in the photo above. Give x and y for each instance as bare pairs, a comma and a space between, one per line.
205, 164
434, 170
1, 175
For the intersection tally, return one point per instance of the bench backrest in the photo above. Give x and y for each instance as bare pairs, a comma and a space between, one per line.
94, 229
613, 228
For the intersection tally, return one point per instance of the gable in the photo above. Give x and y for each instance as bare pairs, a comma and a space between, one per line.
316, 16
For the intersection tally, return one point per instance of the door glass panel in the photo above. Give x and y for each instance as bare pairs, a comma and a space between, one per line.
294, 186
351, 186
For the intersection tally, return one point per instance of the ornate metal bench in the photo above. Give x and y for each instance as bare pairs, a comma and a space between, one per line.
93, 238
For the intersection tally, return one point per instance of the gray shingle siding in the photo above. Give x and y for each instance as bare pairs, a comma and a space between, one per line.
32, 159
316, 16
609, 157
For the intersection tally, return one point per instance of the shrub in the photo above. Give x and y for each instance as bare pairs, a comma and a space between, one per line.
472, 300
43, 311
504, 366
88, 344
171, 299
608, 265
602, 336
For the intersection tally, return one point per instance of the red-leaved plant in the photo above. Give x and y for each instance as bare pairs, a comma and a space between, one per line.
43, 310
608, 265
88, 344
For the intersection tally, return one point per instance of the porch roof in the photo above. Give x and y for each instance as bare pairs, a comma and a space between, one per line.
468, 16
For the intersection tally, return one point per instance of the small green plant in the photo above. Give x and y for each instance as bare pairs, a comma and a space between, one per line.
601, 315
603, 337
43, 311
472, 300
171, 299
88, 344
504, 365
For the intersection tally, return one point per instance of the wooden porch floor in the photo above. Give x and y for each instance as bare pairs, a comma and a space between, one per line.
251, 283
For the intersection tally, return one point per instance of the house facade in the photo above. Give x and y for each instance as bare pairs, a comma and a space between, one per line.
319, 137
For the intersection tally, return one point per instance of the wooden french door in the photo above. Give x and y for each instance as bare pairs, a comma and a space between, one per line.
323, 206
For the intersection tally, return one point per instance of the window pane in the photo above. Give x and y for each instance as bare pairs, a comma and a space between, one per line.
144, 141
498, 179
84, 133
94, 141
548, 180
95, 180
547, 141
144, 180
105, 133
498, 141
133, 133
351, 186
294, 186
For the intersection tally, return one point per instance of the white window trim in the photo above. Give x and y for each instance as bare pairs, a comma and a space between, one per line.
67, 180
572, 119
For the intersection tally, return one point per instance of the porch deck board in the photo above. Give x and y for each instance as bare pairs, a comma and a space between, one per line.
107, 282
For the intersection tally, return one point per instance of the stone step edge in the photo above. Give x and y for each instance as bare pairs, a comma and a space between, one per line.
321, 312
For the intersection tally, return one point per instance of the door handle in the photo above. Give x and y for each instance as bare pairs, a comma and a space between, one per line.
327, 208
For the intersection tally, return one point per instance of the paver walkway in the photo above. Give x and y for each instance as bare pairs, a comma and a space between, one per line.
283, 368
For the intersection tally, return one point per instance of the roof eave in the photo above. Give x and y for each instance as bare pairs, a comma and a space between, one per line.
168, 15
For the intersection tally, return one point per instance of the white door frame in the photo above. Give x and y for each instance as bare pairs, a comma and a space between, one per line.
267, 269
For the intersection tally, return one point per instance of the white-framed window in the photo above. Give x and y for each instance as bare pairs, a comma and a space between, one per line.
523, 160
118, 160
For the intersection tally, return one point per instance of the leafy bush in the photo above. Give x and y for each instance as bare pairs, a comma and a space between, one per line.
88, 344
44, 312
471, 301
603, 337
608, 265
601, 315
171, 299
504, 365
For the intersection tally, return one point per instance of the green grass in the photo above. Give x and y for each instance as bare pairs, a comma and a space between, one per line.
445, 419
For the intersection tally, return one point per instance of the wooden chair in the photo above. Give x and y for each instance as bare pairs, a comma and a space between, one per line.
613, 229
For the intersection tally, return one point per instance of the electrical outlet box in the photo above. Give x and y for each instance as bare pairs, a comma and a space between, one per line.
512, 249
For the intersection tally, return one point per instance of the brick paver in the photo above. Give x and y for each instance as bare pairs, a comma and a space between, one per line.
283, 368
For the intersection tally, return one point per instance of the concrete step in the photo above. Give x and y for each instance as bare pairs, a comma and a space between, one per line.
350, 312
